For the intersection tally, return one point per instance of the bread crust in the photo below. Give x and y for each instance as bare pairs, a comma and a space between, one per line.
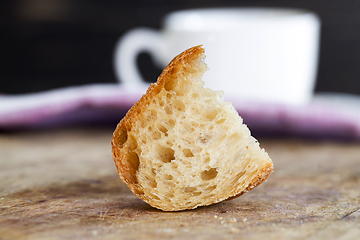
184, 62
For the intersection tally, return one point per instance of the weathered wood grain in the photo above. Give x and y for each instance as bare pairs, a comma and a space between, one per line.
62, 184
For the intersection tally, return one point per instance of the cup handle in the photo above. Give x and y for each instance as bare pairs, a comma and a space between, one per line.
128, 48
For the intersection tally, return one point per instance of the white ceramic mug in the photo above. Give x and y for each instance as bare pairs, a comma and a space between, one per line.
254, 54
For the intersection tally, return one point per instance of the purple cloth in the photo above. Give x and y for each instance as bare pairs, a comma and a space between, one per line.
328, 115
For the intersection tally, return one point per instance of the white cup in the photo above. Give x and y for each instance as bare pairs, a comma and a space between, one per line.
254, 54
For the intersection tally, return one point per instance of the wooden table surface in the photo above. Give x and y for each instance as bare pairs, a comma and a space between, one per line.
62, 184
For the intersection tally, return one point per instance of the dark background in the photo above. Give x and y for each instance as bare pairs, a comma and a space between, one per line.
48, 44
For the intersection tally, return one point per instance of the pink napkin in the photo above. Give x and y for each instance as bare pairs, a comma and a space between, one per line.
328, 115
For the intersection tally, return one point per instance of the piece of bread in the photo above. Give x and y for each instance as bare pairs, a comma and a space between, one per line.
182, 146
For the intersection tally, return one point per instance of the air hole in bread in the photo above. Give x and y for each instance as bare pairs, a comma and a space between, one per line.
196, 150
170, 84
162, 129
116, 153
209, 174
196, 193
168, 110
132, 161
166, 154
121, 136
130, 177
152, 182
195, 95
207, 160
235, 136
168, 95
153, 115
179, 105
188, 153
142, 123
211, 115
132, 165
171, 123
132, 143
221, 121
156, 135
169, 195
168, 177
174, 165
190, 189
138, 192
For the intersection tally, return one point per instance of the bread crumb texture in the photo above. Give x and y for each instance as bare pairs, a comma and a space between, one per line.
182, 146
